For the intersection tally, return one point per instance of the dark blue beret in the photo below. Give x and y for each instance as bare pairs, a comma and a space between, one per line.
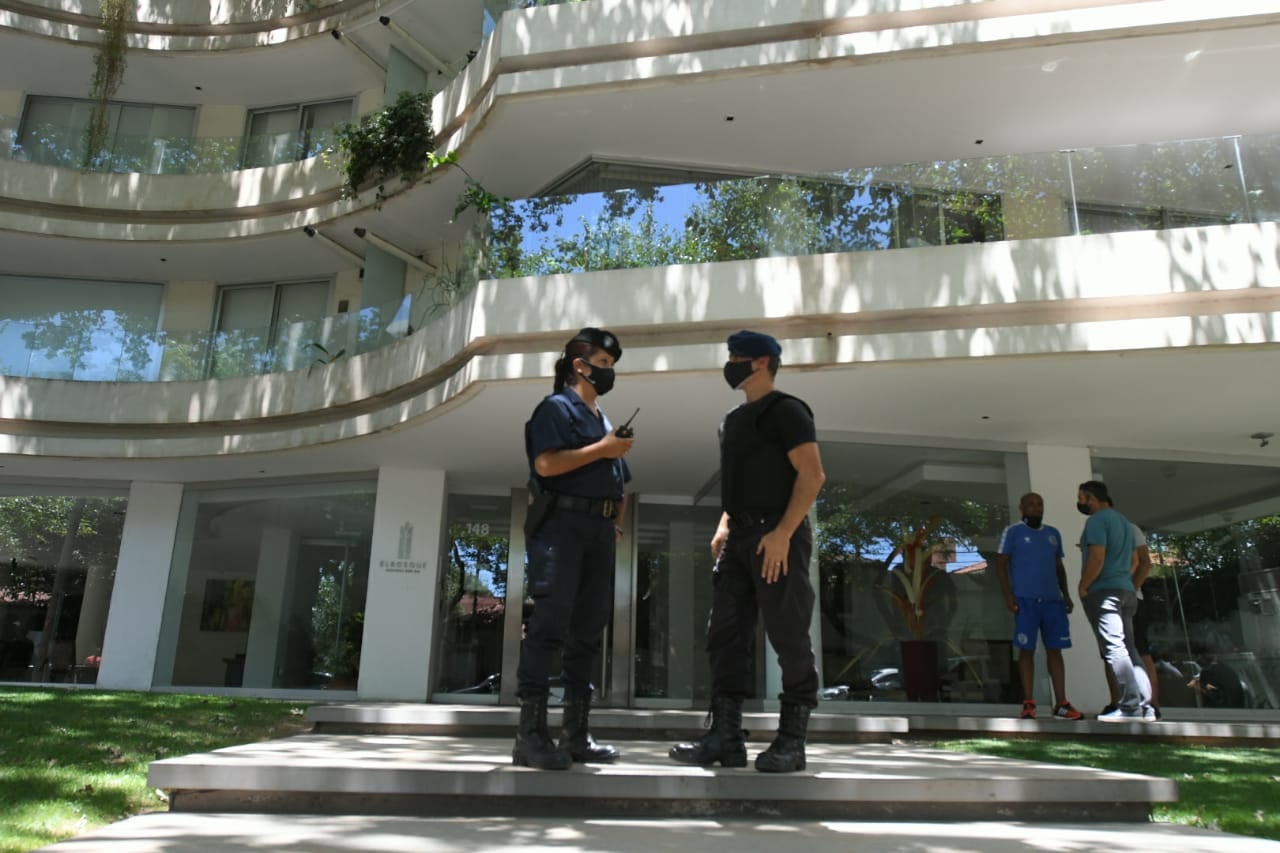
600, 339
753, 344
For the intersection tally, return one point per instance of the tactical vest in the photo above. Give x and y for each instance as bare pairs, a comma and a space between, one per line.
755, 473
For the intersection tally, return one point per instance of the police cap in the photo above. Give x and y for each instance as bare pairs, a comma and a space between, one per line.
600, 339
753, 344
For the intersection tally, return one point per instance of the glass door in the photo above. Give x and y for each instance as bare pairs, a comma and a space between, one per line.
472, 600
671, 600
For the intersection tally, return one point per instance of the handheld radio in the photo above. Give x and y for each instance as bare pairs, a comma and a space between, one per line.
625, 431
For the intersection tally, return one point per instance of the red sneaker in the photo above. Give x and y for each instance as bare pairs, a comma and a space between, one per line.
1028, 710
1065, 711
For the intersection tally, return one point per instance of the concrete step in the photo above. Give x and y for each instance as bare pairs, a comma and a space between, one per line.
445, 776
830, 723
500, 721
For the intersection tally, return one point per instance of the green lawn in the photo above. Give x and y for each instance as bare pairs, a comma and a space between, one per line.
74, 760
1231, 789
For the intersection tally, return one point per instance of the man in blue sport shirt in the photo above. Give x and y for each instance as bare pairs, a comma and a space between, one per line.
1110, 600
1029, 565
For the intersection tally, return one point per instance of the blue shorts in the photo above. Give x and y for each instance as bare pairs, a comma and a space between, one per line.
1044, 616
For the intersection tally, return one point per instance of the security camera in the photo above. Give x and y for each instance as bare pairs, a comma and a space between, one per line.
360, 232
309, 230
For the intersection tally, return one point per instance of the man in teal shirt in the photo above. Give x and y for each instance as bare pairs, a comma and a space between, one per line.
1110, 600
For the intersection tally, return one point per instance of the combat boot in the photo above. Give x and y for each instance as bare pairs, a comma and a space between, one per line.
786, 753
724, 742
534, 746
576, 739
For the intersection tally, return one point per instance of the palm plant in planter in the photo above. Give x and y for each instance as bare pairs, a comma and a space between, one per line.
908, 586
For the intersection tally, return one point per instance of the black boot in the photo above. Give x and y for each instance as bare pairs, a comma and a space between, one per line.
724, 742
534, 746
576, 739
786, 753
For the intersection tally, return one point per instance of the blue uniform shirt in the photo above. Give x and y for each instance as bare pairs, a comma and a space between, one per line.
1033, 560
563, 421
1112, 530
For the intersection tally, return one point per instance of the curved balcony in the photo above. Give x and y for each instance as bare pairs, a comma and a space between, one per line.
1156, 187
100, 346
64, 147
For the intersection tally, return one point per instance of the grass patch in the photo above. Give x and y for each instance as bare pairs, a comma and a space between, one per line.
1230, 789
71, 761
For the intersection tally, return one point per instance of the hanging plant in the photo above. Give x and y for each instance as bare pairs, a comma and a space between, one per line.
396, 142
108, 74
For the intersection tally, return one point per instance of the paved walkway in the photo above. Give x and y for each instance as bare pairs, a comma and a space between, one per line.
208, 833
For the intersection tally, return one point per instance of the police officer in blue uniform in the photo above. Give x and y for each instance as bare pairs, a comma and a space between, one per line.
770, 475
577, 476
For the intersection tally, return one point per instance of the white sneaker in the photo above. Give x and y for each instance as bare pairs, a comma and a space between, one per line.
1120, 715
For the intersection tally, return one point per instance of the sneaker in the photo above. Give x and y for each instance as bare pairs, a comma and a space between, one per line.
1151, 714
1110, 707
1120, 715
1065, 711
1028, 710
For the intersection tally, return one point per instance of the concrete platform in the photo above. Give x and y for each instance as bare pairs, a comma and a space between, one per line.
241, 833
443, 776
500, 721
831, 723
1205, 732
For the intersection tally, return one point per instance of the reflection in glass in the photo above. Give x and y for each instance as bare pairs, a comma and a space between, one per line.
874, 497
473, 599
57, 571
1212, 600
672, 600
268, 588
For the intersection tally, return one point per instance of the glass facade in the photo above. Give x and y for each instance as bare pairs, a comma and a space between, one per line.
951, 641
268, 588
1213, 596
472, 604
672, 599
57, 571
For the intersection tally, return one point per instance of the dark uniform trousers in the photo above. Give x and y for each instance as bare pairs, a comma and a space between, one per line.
786, 606
570, 577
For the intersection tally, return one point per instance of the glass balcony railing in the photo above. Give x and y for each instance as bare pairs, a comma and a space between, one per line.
1015, 197
94, 346
51, 145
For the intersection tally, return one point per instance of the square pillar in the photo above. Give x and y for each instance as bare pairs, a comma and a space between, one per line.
404, 579
142, 577
1055, 472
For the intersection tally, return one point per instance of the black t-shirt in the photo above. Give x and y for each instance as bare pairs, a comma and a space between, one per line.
755, 473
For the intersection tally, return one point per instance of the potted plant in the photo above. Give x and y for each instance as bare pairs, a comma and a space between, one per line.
908, 586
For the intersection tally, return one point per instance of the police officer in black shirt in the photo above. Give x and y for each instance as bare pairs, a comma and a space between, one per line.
577, 476
770, 475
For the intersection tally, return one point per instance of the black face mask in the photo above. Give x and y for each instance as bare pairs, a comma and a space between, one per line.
737, 372
601, 379
1033, 521
1084, 509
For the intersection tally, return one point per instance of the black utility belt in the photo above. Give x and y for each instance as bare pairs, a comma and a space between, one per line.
600, 507
754, 519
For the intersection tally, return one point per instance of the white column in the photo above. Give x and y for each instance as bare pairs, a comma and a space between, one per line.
404, 573
277, 549
1055, 474
138, 597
